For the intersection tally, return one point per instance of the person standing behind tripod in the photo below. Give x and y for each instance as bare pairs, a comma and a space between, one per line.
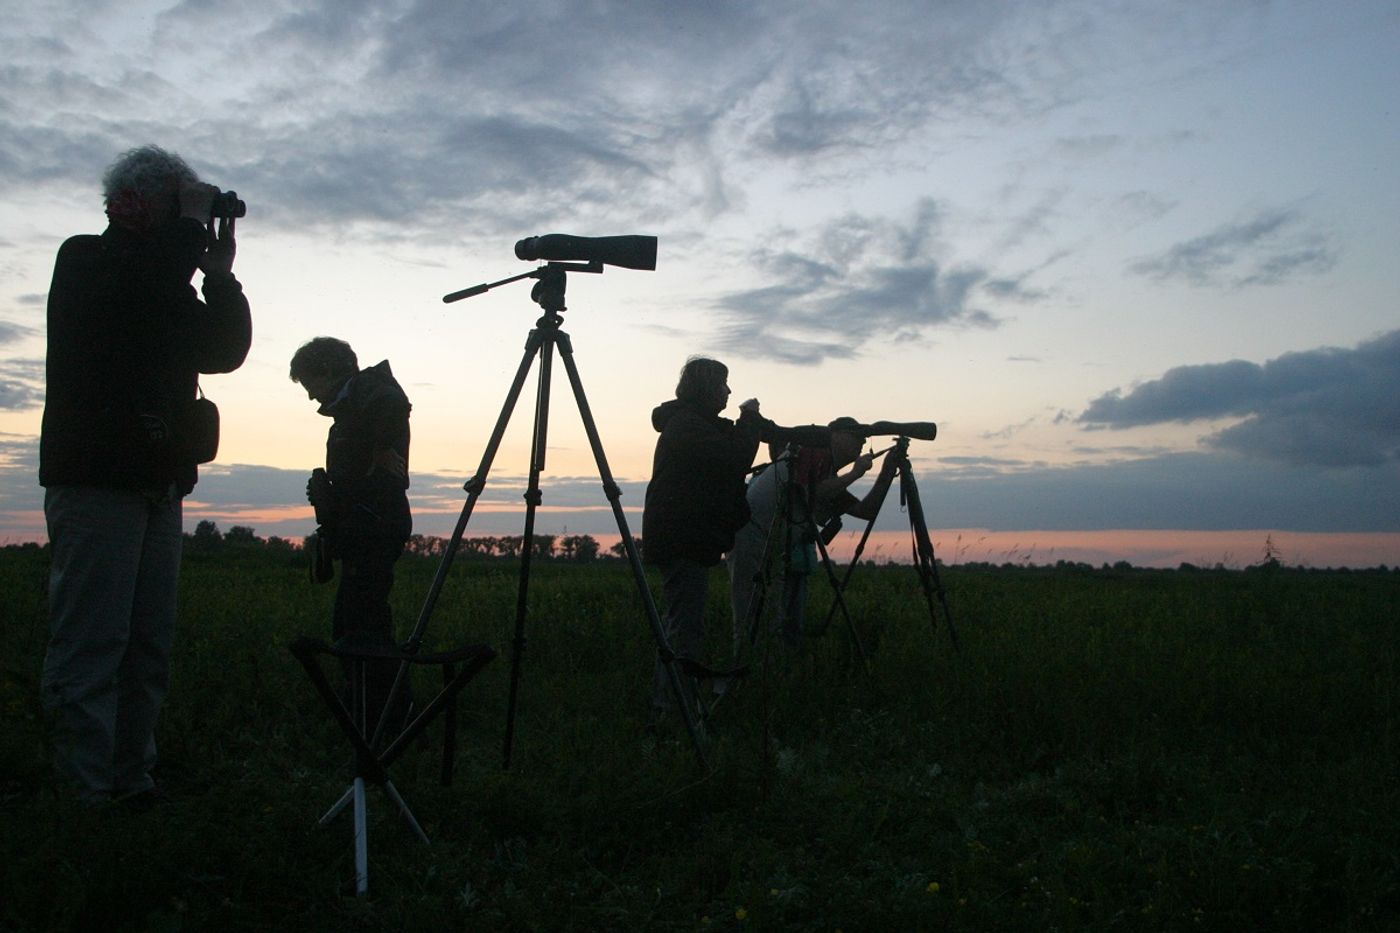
360, 497
695, 500
808, 482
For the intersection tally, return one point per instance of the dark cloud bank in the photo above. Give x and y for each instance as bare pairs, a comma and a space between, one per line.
1323, 408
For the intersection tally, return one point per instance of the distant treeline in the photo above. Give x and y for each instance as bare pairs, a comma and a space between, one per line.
207, 539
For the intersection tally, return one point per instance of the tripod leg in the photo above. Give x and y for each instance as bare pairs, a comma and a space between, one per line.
840, 588
477, 484
538, 445
926, 564
851, 568
757, 604
840, 600
751, 559
755, 585
361, 839
614, 495
474, 488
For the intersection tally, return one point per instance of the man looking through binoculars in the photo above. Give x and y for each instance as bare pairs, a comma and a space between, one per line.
123, 435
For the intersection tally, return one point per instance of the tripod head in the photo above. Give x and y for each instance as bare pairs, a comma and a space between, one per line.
548, 292
900, 448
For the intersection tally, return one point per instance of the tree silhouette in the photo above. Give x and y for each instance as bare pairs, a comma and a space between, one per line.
206, 538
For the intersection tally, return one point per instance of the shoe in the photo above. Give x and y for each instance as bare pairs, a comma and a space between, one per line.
142, 801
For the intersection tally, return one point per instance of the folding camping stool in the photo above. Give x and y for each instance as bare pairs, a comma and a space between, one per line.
371, 765
708, 686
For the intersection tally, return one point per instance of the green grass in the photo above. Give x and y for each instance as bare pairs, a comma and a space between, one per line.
1109, 750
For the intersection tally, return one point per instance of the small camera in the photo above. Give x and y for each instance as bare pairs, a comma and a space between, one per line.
227, 204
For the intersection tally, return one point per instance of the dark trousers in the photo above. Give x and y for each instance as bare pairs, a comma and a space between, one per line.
362, 618
685, 585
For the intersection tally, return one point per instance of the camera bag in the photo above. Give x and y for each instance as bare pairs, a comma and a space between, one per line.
198, 429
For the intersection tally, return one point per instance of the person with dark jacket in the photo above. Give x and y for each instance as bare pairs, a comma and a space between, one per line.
695, 501
127, 340
361, 497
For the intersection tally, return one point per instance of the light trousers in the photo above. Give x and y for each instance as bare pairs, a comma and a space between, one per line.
748, 559
112, 595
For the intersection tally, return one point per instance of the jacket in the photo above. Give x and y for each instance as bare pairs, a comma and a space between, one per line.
371, 412
127, 340
695, 501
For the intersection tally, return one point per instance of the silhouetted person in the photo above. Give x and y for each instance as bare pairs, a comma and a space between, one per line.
809, 484
127, 340
361, 497
695, 500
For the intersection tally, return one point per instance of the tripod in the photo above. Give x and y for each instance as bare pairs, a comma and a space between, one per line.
543, 340
751, 578
924, 562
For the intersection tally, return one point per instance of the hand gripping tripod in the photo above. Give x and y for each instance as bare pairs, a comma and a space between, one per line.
543, 340
924, 563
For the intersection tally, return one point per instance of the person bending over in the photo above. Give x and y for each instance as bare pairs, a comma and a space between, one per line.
812, 486
361, 497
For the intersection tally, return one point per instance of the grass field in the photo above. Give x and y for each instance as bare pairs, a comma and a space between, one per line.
1110, 749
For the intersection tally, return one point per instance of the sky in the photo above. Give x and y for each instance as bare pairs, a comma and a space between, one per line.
1136, 259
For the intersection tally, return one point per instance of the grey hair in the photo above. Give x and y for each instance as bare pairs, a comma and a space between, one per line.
146, 170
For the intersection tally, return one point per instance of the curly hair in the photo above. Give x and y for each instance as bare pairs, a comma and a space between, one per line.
324, 356
145, 171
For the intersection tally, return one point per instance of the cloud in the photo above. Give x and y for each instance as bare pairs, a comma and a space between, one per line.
21, 383
1324, 407
1197, 491
19, 475
11, 332
395, 119
1272, 247
855, 280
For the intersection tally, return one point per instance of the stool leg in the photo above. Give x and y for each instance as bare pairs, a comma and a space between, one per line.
361, 839
340, 805
405, 812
